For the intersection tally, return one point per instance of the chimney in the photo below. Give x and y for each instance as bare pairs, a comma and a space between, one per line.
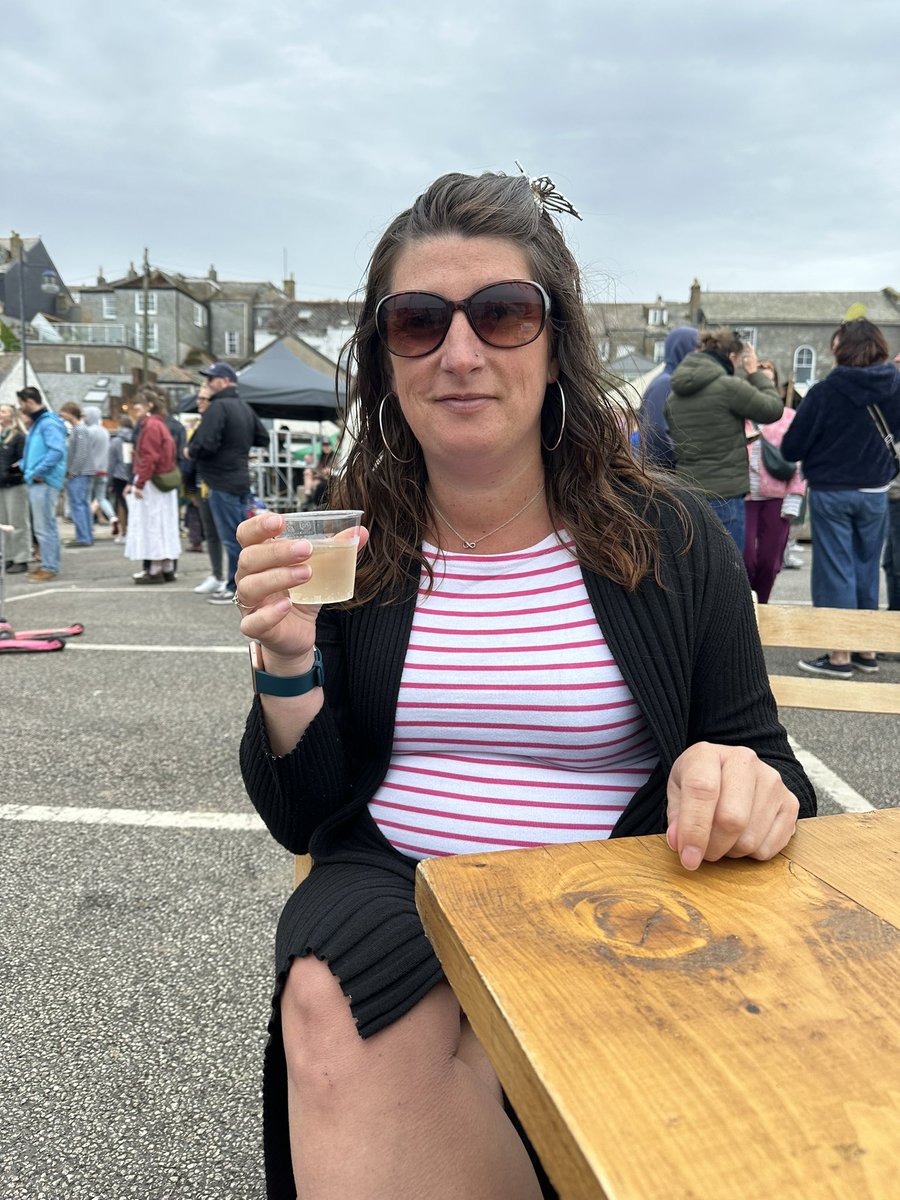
289, 288
101, 279
695, 302
212, 276
132, 273
15, 245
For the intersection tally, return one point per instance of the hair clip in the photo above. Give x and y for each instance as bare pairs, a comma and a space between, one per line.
543, 189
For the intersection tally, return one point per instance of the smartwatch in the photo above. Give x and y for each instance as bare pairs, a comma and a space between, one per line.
265, 684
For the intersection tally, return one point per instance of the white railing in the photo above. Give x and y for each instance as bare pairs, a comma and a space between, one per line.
81, 335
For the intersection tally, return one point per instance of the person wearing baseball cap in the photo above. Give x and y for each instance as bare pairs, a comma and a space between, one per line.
44, 468
220, 447
221, 371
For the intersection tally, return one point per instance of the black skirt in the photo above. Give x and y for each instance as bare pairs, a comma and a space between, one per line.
356, 911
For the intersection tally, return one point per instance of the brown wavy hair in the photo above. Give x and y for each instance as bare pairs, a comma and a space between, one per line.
595, 488
859, 343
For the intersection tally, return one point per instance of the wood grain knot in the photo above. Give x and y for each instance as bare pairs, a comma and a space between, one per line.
650, 928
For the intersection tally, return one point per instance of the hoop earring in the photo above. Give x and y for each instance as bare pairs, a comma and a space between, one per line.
555, 446
387, 445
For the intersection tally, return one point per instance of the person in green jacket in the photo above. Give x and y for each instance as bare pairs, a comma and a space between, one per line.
714, 390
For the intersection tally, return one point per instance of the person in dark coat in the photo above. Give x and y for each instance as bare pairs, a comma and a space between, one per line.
545, 644
654, 427
848, 470
220, 447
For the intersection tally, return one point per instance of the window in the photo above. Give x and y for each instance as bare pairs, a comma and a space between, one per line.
659, 351
109, 308
746, 333
804, 365
139, 303
75, 364
152, 337
659, 316
199, 316
232, 344
603, 349
623, 349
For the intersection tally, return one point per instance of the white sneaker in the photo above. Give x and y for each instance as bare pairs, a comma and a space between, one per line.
210, 584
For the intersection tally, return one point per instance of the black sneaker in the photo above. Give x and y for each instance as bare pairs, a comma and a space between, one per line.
824, 666
859, 662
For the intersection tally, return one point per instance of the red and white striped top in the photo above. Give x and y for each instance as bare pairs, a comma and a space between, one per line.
514, 725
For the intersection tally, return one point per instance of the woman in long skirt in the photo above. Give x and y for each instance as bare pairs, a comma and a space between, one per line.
153, 535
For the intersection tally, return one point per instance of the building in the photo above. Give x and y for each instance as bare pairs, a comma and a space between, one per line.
793, 329
188, 321
28, 272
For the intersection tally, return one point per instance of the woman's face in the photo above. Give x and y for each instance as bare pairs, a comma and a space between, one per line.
6, 416
468, 398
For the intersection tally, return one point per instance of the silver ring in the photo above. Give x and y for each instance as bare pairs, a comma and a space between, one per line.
242, 607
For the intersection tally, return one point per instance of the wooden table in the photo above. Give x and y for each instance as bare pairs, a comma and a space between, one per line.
729, 1033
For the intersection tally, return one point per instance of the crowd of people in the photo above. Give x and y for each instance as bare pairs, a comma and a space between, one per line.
134, 479
765, 458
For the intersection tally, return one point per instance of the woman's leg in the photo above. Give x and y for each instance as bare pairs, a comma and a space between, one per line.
772, 536
869, 531
751, 527
414, 1112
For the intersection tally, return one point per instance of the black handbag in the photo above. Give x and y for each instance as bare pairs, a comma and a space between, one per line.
774, 461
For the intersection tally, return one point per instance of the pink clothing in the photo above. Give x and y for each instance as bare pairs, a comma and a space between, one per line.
764, 486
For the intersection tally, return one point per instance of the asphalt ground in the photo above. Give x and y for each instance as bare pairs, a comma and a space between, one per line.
139, 895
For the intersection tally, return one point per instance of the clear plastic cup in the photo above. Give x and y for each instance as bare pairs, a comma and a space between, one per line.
334, 537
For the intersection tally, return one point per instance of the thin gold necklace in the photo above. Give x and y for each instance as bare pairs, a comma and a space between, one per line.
467, 545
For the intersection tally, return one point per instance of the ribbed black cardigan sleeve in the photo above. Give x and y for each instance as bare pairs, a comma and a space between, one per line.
691, 655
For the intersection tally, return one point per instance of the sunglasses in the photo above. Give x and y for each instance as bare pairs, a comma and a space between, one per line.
506, 315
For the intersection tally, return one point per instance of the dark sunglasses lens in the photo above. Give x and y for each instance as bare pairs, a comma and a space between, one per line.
508, 314
413, 323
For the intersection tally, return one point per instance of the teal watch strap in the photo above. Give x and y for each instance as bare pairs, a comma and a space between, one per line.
285, 685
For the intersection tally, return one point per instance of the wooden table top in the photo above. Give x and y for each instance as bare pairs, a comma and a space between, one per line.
723, 1034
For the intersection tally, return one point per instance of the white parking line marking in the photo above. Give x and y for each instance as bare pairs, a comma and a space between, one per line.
829, 785
153, 819
134, 646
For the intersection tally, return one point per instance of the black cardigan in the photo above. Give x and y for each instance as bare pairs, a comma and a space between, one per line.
689, 651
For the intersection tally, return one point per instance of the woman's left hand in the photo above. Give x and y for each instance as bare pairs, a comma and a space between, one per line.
724, 801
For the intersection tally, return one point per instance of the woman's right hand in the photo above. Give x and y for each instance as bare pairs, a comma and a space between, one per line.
267, 568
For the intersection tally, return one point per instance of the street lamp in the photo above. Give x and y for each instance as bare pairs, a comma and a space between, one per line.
49, 286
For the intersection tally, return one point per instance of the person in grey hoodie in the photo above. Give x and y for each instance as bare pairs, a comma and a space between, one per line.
78, 481
654, 427
706, 410
98, 439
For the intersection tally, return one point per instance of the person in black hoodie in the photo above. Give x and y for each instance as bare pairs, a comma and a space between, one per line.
848, 469
220, 447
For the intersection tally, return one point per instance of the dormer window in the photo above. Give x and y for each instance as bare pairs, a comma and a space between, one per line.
659, 315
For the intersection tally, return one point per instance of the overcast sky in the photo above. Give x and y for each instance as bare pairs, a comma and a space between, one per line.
755, 146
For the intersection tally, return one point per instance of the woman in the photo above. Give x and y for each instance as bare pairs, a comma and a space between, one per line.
153, 535
770, 505
848, 469
14, 508
508, 523
706, 410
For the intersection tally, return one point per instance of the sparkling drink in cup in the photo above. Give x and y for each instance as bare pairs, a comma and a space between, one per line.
334, 537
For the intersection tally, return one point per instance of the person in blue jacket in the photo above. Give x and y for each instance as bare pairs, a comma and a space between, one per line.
652, 414
848, 469
44, 468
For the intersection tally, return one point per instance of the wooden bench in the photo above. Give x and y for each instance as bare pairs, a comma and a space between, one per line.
804, 628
